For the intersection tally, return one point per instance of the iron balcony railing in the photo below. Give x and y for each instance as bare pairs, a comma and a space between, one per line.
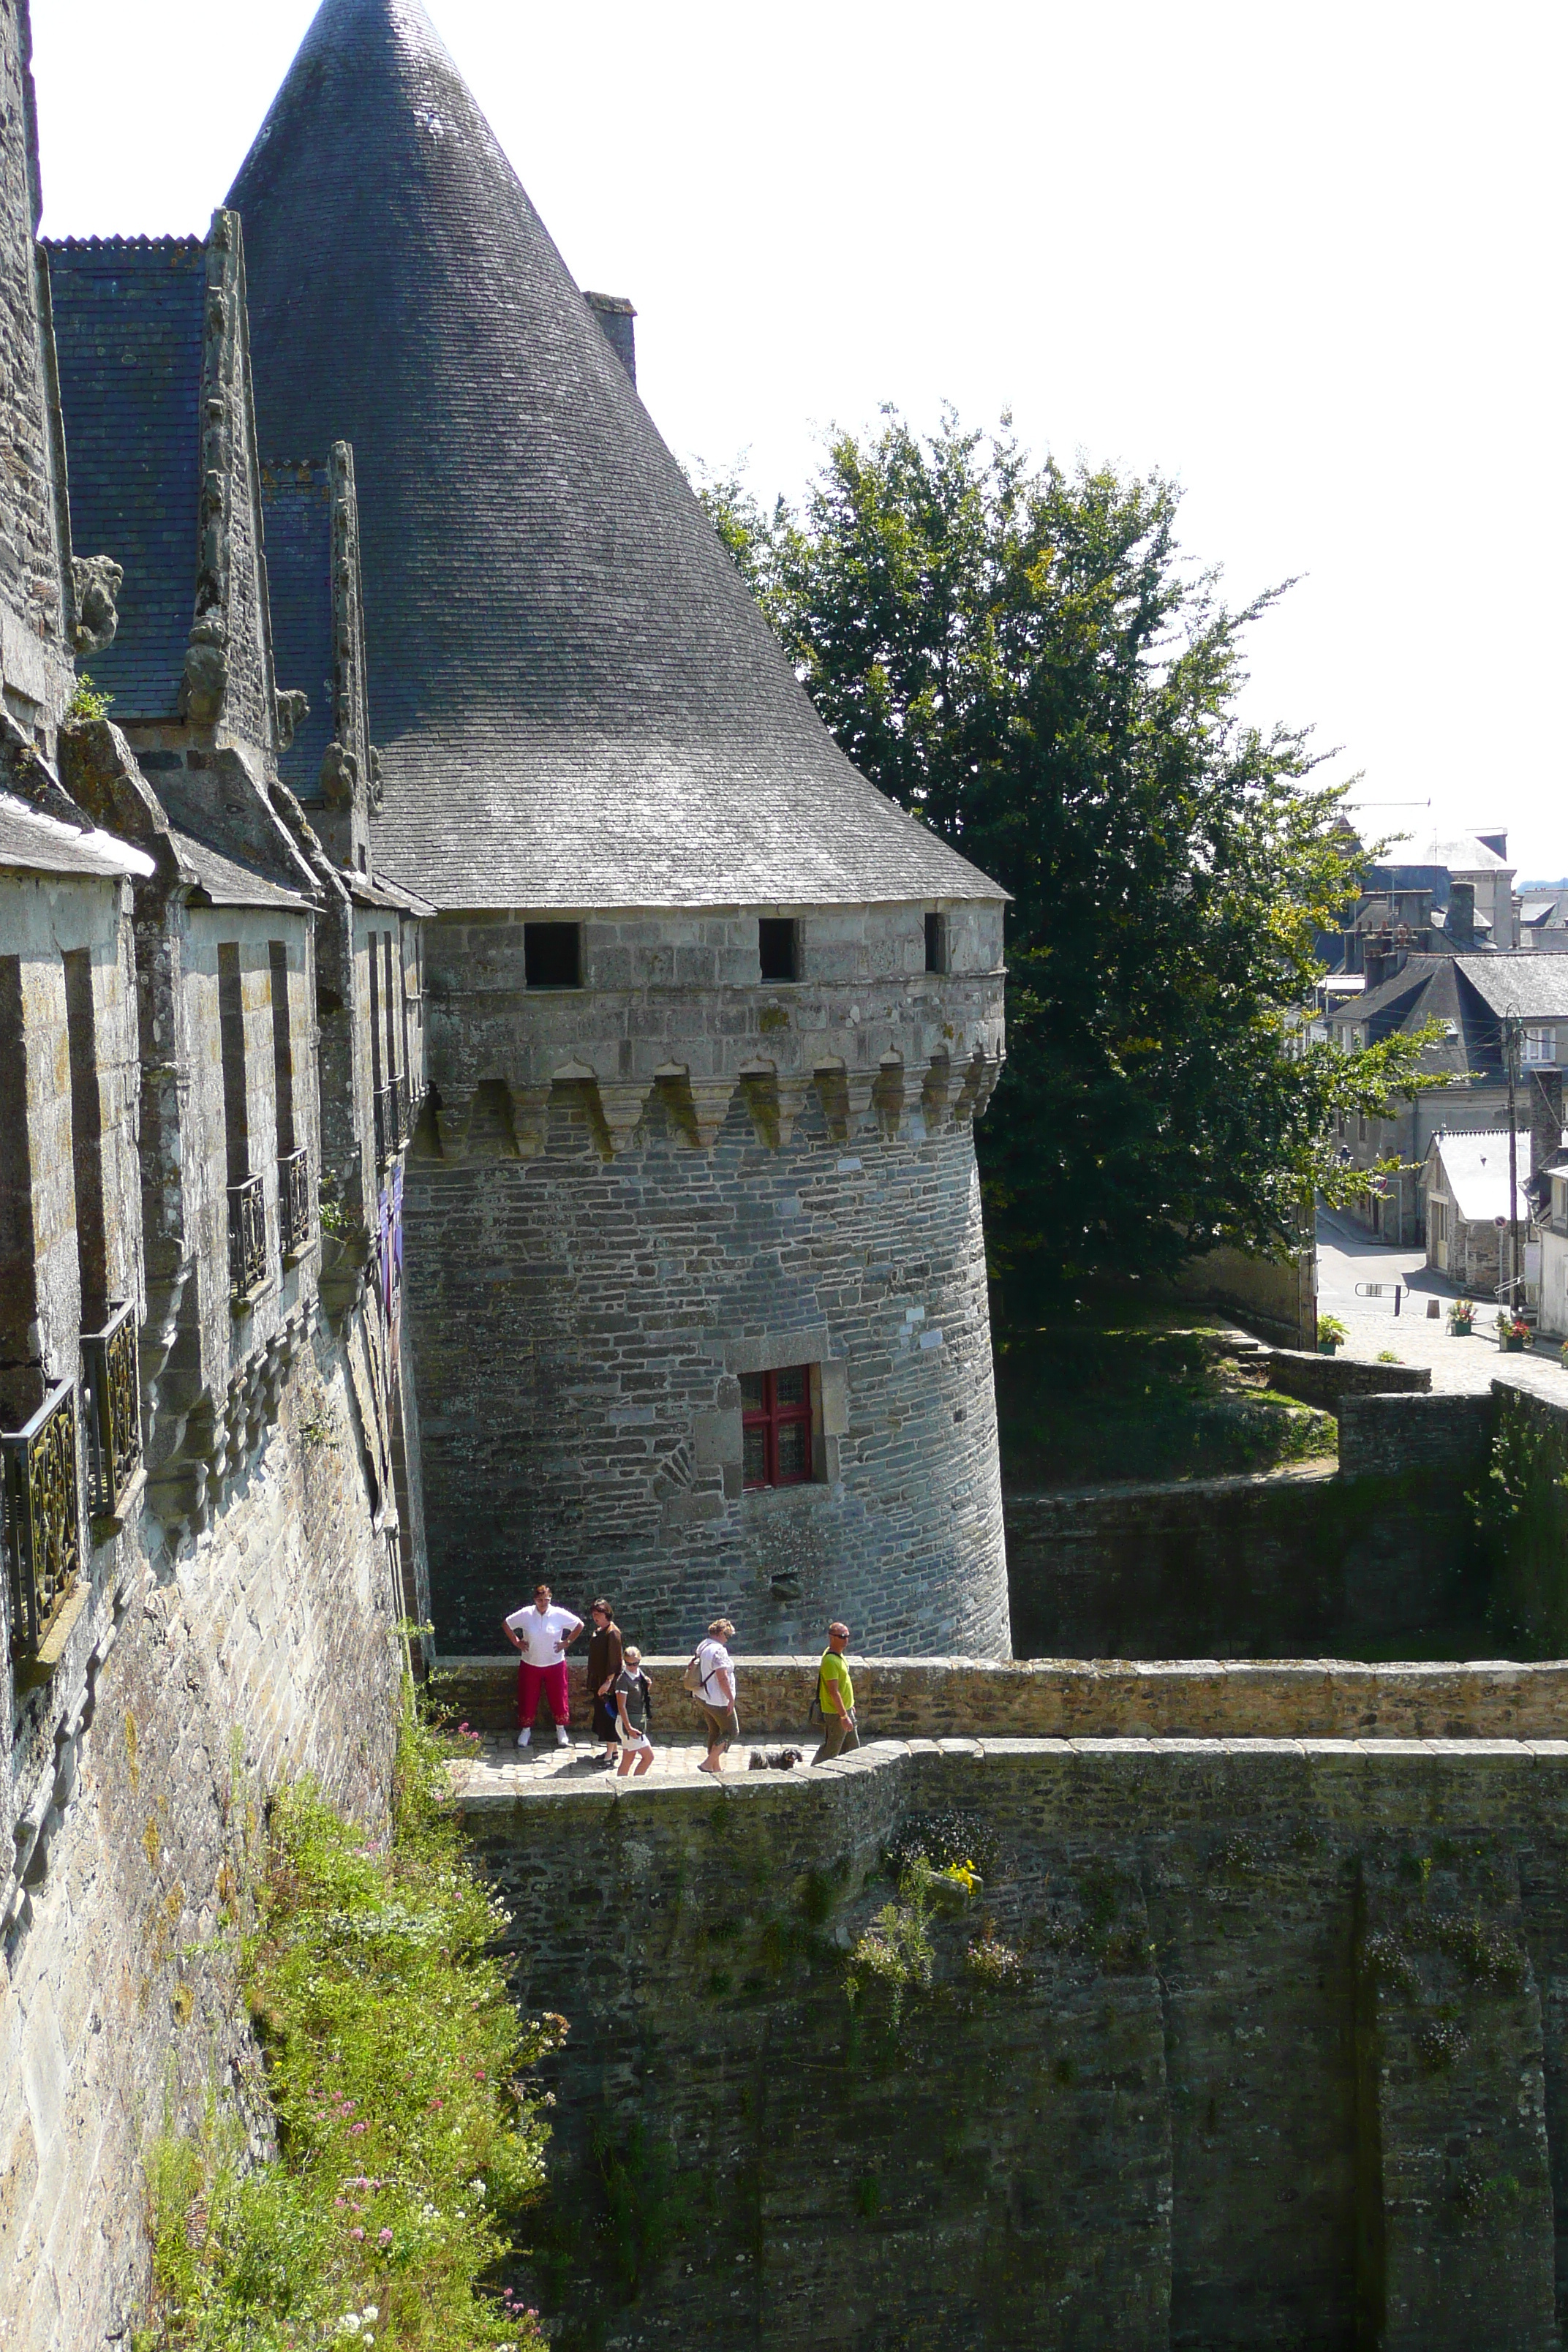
247, 1239
43, 1516
111, 1410
294, 1201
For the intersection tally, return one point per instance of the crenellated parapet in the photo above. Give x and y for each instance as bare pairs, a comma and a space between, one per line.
691, 1028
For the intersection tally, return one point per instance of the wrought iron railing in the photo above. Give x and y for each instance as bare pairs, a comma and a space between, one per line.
247, 1238
111, 1410
294, 1201
43, 1516
381, 1103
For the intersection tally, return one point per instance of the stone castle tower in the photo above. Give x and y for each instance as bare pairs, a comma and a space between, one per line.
695, 1267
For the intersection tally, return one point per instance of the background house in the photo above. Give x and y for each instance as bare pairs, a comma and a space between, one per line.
1477, 1000
1464, 1184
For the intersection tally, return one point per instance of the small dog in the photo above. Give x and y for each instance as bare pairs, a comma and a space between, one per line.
775, 1759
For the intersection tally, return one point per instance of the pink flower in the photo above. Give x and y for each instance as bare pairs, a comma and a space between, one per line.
337, 2201
462, 1727
355, 2130
438, 2102
356, 2233
383, 2238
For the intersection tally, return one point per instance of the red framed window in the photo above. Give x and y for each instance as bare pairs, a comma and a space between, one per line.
775, 1424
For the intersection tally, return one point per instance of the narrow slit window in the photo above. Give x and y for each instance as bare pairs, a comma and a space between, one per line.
553, 955
21, 1385
282, 1045
231, 1034
375, 1077
86, 1140
775, 1426
936, 943
778, 947
388, 998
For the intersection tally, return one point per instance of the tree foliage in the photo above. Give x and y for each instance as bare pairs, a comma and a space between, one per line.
1021, 655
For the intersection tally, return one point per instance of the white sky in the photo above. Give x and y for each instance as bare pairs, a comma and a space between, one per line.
1306, 261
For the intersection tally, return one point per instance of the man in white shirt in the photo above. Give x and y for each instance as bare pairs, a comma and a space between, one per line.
716, 1696
543, 1635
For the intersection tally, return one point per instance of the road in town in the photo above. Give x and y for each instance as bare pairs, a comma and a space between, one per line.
1348, 1258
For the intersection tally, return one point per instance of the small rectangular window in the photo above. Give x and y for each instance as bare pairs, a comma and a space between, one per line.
936, 943
1541, 1045
778, 948
553, 955
775, 1426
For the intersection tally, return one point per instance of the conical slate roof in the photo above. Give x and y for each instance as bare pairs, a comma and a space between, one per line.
578, 702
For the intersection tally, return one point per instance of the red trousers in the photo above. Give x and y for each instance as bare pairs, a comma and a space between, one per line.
552, 1682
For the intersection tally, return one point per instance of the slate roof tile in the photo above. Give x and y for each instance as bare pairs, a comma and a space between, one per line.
228, 883
577, 701
296, 520
32, 842
127, 328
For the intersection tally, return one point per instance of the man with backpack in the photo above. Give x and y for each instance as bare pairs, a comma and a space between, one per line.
836, 1697
710, 1678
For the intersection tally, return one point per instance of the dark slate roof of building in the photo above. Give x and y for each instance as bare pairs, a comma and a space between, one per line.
31, 843
127, 328
577, 701
296, 519
1427, 988
1531, 987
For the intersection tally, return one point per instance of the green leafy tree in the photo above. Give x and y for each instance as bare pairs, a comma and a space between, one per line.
1021, 656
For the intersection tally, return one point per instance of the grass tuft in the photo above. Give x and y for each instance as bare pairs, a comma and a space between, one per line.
407, 2142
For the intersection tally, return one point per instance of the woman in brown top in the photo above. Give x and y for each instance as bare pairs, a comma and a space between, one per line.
604, 1664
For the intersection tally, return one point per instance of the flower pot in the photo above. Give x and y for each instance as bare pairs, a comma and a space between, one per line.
1511, 1347
1460, 1331
1328, 1347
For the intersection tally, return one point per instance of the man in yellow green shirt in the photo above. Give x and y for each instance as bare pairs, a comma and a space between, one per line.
836, 1697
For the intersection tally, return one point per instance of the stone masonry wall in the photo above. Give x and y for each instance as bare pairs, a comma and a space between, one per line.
35, 650
1251, 2046
580, 1327
268, 1649
1380, 1565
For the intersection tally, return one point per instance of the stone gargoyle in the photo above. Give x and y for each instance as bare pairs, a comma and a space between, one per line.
96, 580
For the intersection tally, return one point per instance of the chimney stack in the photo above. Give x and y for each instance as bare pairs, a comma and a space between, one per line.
615, 314
1460, 926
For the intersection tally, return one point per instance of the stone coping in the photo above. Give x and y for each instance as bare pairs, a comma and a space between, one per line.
497, 1782
1180, 1698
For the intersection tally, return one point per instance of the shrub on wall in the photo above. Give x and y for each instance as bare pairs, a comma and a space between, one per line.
1521, 1512
407, 2143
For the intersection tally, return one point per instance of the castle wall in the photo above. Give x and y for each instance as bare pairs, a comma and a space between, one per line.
1278, 2066
35, 643
579, 1330
268, 1649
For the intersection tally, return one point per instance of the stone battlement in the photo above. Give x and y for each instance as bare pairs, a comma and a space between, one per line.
1057, 1698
